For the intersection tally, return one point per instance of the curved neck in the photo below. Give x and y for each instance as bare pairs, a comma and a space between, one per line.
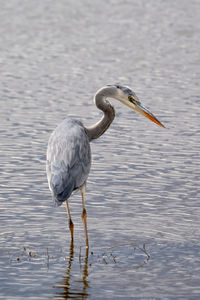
96, 130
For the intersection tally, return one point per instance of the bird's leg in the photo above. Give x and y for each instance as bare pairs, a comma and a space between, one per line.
84, 215
71, 225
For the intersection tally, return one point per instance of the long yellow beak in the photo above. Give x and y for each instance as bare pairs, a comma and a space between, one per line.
145, 112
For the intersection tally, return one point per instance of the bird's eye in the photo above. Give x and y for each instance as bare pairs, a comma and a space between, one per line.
132, 100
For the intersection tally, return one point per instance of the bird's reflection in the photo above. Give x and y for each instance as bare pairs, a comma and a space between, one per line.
69, 288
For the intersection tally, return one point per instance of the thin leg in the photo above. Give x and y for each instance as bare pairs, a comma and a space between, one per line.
71, 225
84, 215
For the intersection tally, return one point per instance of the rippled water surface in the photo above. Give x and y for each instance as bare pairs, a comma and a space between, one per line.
143, 188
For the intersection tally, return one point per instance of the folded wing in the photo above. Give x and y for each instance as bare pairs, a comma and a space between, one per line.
68, 159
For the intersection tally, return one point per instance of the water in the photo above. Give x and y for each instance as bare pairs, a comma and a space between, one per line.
144, 182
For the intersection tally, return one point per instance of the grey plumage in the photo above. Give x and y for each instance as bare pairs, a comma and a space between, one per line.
68, 159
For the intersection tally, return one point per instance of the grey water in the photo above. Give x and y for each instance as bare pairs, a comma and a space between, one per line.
143, 188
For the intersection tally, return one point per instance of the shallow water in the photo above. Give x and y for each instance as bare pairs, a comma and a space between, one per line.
143, 187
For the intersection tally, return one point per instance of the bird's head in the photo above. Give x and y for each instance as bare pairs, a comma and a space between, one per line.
129, 98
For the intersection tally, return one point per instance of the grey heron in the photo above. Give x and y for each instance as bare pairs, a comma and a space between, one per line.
68, 151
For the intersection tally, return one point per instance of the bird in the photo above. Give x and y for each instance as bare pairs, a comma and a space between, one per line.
68, 158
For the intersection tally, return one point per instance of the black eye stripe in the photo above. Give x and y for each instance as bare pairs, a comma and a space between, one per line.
125, 89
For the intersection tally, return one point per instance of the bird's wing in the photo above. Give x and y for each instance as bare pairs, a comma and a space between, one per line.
68, 159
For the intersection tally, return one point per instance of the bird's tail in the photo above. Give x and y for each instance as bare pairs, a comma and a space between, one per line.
61, 191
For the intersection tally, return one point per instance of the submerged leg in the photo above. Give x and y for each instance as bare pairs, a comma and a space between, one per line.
71, 225
84, 215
